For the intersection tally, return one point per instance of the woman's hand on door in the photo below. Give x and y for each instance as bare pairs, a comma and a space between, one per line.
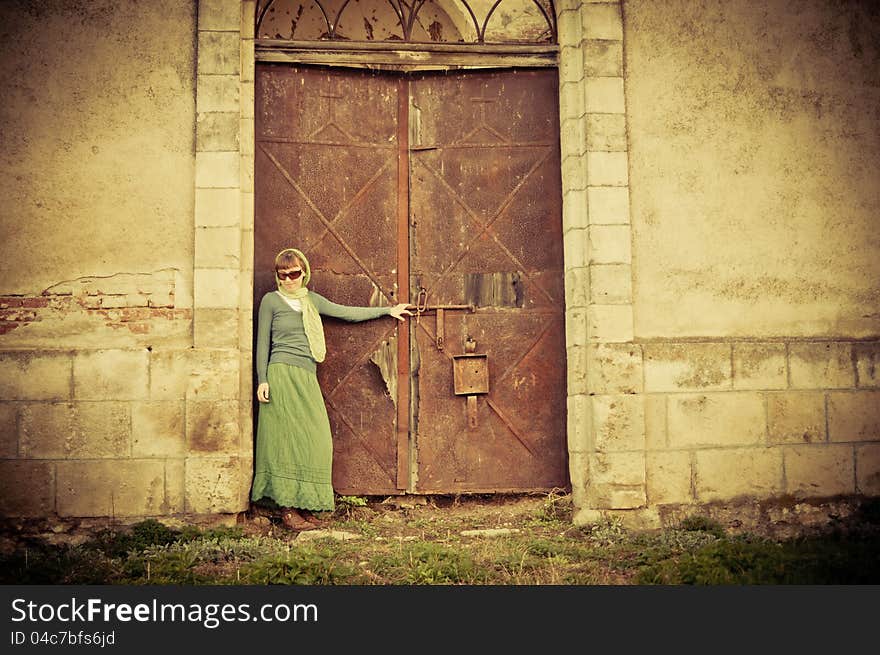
400, 311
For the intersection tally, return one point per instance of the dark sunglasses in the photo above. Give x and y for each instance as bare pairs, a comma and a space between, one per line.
290, 275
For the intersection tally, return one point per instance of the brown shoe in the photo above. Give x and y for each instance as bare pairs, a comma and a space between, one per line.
295, 521
311, 518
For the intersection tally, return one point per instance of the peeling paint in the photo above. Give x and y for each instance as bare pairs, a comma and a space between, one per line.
385, 359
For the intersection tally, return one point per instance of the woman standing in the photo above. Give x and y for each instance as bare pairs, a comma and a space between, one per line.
294, 454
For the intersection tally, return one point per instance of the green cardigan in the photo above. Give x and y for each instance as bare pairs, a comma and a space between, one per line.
281, 336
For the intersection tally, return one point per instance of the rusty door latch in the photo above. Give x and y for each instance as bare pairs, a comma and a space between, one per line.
423, 307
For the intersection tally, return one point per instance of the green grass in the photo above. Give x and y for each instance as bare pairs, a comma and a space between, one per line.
424, 546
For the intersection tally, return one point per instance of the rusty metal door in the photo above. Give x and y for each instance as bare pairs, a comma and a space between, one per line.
486, 233
326, 175
441, 189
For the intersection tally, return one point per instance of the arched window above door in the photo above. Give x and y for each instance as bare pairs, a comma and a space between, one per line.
414, 21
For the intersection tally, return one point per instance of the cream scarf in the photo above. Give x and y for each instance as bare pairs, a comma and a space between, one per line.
311, 317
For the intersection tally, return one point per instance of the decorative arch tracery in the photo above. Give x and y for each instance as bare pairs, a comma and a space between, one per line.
413, 21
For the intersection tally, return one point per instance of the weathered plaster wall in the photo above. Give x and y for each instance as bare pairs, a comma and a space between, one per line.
97, 139
121, 212
754, 132
724, 331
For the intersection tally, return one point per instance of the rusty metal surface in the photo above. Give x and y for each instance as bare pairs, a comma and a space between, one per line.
391, 183
486, 208
326, 178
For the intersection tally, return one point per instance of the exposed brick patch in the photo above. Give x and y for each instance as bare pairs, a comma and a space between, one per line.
124, 301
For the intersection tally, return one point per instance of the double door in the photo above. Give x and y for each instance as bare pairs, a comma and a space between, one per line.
441, 190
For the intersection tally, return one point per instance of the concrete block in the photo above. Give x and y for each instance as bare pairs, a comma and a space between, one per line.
577, 286
247, 99
569, 28
576, 327
618, 423
574, 243
216, 288
608, 205
220, 93
610, 323
668, 477
214, 485
814, 471
246, 291
213, 375
821, 365
854, 416
626, 469
580, 438
111, 488
716, 419
726, 474
573, 137
246, 177
220, 15
603, 58
169, 374
618, 496
578, 470
604, 95
606, 132
212, 427
868, 469
27, 488
8, 430
867, 356
574, 210
574, 173
602, 21
611, 284
247, 255
111, 375
217, 132
610, 244
247, 60
217, 170
218, 208
247, 221
607, 169
175, 486
576, 370
248, 18
245, 328
75, 431
655, 422
157, 429
687, 366
32, 376
796, 417
617, 480
219, 53
759, 366
572, 103
246, 136
614, 368
571, 65
217, 247
216, 328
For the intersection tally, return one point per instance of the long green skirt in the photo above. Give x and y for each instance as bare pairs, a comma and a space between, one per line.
294, 457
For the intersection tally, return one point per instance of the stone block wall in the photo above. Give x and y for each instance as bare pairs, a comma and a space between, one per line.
660, 416
128, 394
